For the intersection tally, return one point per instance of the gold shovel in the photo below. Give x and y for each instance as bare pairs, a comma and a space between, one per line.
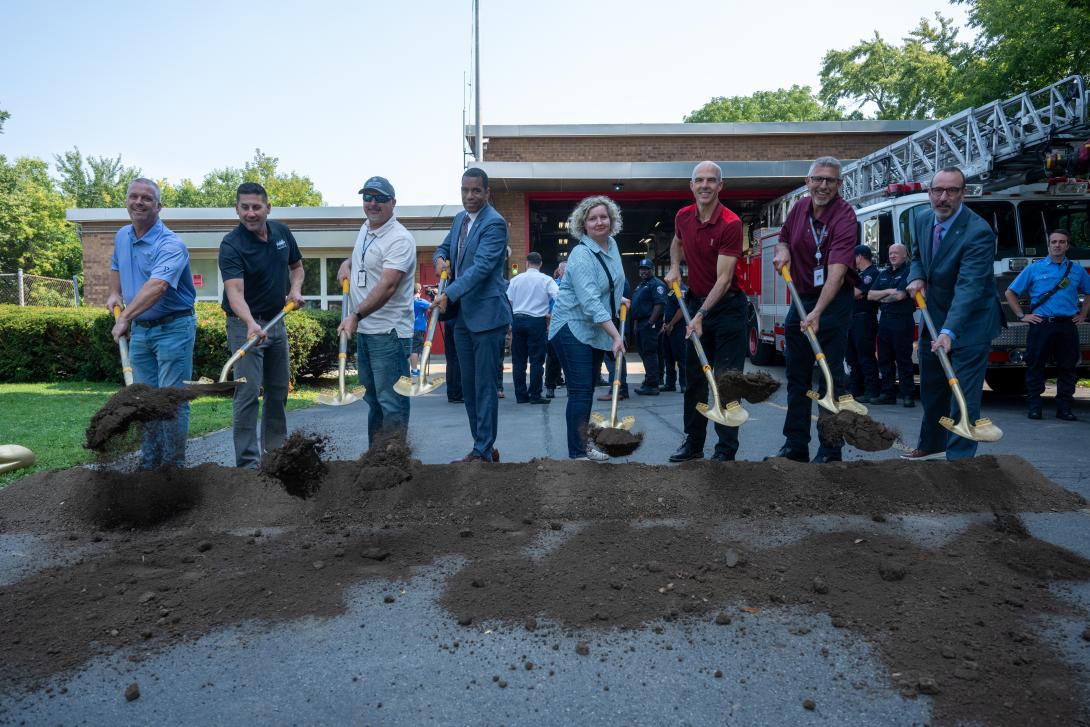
612, 423
344, 396
13, 457
983, 430
407, 385
731, 415
223, 386
123, 344
846, 402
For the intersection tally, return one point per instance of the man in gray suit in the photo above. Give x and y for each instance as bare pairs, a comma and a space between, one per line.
474, 251
952, 267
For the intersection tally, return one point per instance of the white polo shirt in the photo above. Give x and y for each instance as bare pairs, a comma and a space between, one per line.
531, 292
390, 246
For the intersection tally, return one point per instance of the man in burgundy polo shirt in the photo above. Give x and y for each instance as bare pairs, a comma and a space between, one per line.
818, 241
709, 238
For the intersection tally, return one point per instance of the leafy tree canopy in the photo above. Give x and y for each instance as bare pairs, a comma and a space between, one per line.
34, 235
797, 103
217, 189
94, 181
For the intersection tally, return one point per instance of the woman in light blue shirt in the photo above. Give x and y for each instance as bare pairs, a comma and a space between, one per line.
590, 297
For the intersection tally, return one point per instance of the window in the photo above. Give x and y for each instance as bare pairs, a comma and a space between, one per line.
312, 280
1038, 218
909, 221
206, 277
878, 234
1000, 217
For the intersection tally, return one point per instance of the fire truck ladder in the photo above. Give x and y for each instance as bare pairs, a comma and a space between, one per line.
994, 144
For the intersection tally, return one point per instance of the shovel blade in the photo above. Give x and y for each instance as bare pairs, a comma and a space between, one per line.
826, 402
982, 431
732, 415
350, 397
848, 403
409, 386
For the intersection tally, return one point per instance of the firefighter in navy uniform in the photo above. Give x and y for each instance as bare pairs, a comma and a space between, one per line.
864, 330
648, 302
896, 329
672, 344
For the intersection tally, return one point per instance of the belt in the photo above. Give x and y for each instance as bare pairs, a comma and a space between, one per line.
165, 319
1058, 319
526, 315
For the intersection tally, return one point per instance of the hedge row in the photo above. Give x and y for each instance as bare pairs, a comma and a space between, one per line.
50, 344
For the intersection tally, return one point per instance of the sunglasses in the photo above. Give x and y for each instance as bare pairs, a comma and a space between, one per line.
380, 198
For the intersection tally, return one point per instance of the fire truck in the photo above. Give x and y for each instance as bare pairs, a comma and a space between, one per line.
1022, 159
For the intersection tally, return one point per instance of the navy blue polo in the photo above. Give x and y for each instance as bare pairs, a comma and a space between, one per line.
261, 265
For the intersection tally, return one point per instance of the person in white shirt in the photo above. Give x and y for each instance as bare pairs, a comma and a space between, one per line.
531, 294
381, 273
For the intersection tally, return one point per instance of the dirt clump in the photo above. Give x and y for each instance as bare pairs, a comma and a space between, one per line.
616, 442
135, 404
754, 387
859, 430
297, 464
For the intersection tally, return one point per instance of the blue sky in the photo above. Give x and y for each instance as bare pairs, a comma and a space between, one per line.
344, 90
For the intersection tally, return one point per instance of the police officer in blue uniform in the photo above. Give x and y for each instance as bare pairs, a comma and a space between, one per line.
864, 328
1052, 285
672, 344
648, 302
896, 329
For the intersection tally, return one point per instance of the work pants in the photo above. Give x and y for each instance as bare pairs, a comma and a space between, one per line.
1053, 338
895, 334
266, 369
938, 400
862, 363
528, 339
724, 343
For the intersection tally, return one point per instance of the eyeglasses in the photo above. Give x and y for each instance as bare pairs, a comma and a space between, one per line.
824, 180
940, 191
380, 198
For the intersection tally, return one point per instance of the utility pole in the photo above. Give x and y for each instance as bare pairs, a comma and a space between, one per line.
478, 142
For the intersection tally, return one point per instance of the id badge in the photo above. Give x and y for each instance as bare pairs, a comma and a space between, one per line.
819, 277
361, 279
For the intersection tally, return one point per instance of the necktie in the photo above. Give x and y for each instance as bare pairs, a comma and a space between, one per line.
936, 238
462, 238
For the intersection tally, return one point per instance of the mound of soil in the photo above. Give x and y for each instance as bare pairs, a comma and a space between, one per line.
616, 442
620, 548
858, 430
297, 464
754, 387
131, 405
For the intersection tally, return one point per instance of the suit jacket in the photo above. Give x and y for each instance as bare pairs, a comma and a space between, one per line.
479, 288
961, 294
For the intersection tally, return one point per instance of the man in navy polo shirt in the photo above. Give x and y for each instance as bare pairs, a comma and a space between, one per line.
1052, 285
150, 275
262, 270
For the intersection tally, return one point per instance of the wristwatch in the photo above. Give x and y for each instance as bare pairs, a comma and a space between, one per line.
703, 312
1021, 316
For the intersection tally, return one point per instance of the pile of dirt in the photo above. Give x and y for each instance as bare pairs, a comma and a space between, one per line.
859, 430
135, 404
620, 548
616, 442
754, 387
297, 464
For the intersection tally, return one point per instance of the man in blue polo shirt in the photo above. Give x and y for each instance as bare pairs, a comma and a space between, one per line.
262, 270
1052, 285
150, 276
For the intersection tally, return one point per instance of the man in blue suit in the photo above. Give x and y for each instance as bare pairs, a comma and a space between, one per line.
474, 251
952, 267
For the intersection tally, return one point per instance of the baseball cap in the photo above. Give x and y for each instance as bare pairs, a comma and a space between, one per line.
378, 184
646, 263
865, 251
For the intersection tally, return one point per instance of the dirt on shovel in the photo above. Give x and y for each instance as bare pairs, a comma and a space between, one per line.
616, 442
753, 387
135, 404
858, 430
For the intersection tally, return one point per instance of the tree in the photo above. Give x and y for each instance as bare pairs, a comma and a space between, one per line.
4, 116
94, 181
218, 187
797, 103
34, 234
1023, 45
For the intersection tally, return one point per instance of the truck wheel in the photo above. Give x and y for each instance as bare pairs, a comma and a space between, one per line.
1007, 381
760, 353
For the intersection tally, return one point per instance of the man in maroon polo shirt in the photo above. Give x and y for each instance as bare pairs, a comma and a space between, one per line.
818, 242
709, 238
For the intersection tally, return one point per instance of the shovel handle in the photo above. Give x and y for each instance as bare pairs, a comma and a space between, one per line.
432, 323
617, 371
288, 308
123, 346
947, 367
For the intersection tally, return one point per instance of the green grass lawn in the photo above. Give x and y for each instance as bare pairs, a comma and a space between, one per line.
50, 419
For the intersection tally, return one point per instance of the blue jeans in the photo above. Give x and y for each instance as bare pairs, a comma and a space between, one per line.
382, 359
163, 356
581, 364
267, 371
528, 336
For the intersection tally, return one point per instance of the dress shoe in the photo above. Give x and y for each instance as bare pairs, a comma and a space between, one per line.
1066, 415
647, 390
909, 402
495, 455
540, 400
550, 393
686, 452
919, 455
601, 382
827, 457
500, 394
474, 457
668, 387
609, 397
722, 457
885, 399
1034, 414
455, 400
522, 401
794, 455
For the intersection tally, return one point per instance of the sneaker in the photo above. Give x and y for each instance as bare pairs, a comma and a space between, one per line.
596, 455
415, 373
918, 455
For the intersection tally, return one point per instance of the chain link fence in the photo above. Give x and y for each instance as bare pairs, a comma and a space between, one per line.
19, 288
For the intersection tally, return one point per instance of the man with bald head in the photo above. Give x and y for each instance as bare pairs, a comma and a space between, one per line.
896, 329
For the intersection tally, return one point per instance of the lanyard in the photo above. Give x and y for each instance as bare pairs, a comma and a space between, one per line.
367, 246
818, 240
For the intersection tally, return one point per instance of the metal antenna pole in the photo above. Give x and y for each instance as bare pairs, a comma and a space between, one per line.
478, 141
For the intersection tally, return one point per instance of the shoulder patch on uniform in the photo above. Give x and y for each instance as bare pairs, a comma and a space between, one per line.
867, 279
661, 289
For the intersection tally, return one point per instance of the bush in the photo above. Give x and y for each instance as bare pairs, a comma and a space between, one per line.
49, 344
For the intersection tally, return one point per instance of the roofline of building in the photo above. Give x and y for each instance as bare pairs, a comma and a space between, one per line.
621, 171
758, 128
119, 214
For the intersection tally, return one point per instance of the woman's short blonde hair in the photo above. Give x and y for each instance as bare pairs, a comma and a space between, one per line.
577, 221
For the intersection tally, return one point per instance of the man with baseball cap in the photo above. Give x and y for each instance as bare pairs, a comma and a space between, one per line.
861, 336
648, 302
381, 273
